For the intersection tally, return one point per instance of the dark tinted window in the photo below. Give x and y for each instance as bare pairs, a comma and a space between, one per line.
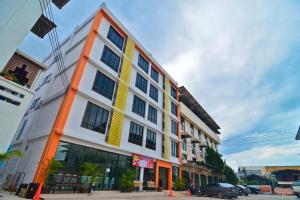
173, 92
151, 140
173, 108
115, 37
138, 106
95, 118
104, 85
153, 92
110, 58
143, 63
141, 83
154, 74
174, 127
174, 149
136, 134
152, 114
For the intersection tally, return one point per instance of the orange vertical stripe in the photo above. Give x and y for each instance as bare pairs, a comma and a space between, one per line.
65, 107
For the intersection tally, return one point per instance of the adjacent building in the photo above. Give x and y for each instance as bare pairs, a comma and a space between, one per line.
17, 80
18, 18
198, 131
119, 111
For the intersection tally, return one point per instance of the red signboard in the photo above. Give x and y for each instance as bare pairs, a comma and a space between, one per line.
142, 161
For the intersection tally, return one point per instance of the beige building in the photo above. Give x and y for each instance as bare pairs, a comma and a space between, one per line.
198, 131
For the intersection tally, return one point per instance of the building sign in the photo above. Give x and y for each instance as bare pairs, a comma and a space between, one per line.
142, 161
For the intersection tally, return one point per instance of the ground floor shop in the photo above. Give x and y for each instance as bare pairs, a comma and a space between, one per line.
112, 167
199, 174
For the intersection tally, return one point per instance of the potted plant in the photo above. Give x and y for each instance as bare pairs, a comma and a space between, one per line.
179, 185
126, 182
10, 76
91, 170
54, 166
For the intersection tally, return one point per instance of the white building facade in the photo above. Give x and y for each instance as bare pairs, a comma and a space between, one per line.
117, 111
198, 132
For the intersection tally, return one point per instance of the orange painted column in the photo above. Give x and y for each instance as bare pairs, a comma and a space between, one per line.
168, 166
179, 134
65, 107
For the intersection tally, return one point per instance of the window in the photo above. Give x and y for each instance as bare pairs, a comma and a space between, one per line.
110, 58
192, 129
136, 134
154, 74
104, 85
152, 114
173, 92
141, 82
138, 106
115, 37
199, 134
35, 103
143, 63
174, 149
173, 108
153, 92
183, 144
95, 118
47, 79
151, 140
174, 127
193, 148
182, 123
21, 129
184, 157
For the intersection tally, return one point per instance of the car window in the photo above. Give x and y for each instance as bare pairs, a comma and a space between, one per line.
225, 185
296, 183
241, 186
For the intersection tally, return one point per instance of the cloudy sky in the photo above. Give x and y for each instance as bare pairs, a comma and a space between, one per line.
240, 59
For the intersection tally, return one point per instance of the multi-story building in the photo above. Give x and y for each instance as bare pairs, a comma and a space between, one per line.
17, 80
18, 18
120, 111
198, 131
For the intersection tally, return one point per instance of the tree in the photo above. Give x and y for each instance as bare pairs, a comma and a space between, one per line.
9, 155
214, 158
230, 176
54, 167
91, 169
126, 182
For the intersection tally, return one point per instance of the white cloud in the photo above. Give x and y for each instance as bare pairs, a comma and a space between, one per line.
265, 155
222, 50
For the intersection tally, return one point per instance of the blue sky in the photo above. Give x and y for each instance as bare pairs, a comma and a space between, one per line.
240, 59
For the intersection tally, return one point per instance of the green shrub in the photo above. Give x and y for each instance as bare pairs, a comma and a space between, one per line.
179, 185
126, 182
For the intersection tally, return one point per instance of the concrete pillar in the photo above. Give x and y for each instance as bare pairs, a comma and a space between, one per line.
141, 178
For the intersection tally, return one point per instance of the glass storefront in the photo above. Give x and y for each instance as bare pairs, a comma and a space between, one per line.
112, 166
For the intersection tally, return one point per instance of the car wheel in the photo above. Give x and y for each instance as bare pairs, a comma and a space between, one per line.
220, 195
246, 194
199, 194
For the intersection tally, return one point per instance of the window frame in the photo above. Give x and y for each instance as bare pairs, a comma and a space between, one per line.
104, 58
154, 74
152, 117
88, 117
112, 30
103, 78
141, 83
143, 63
153, 92
136, 109
151, 140
173, 108
136, 137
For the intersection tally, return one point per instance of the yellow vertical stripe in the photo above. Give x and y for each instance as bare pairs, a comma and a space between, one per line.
167, 131
114, 137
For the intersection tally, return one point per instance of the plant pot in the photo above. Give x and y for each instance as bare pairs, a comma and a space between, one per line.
8, 77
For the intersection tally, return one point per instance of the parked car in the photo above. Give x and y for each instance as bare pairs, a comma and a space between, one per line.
220, 190
254, 190
296, 188
195, 190
242, 190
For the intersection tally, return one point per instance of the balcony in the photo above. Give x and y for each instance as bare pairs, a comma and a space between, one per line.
195, 140
185, 134
14, 100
